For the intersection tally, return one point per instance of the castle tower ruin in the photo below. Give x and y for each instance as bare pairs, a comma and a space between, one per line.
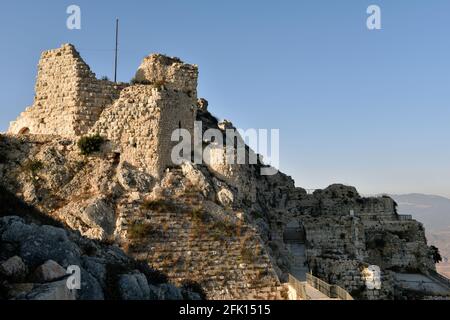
141, 122
68, 99
138, 120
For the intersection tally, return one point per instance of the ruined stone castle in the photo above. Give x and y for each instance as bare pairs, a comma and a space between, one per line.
137, 120
238, 234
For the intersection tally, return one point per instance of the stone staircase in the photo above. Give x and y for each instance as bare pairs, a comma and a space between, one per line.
303, 290
314, 294
299, 268
228, 264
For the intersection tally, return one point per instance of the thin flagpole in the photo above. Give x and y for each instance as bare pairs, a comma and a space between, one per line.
117, 47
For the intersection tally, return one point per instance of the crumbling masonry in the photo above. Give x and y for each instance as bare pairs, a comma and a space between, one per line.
138, 120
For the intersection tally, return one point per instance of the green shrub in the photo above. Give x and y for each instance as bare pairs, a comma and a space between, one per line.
379, 243
140, 230
166, 60
134, 81
90, 144
33, 166
199, 215
218, 229
248, 255
105, 78
222, 228
436, 254
159, 84
154, 277
3, 157
161, 206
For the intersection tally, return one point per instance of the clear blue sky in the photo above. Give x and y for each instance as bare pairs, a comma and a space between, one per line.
366, 108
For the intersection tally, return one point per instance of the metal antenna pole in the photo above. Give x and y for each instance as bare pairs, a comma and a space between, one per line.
117, 47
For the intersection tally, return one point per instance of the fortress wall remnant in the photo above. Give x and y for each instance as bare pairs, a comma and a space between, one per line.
175, 74
141, 122
68, 99
138, 120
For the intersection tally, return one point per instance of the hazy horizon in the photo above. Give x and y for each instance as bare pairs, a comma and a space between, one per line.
363, 108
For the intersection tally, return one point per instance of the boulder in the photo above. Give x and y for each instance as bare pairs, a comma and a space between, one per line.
225, 197
134, 287
99, 214
196, 178
19, 289
14, 268
94, 218
38, 244
49, 272
97, 268
51, 291
90, 287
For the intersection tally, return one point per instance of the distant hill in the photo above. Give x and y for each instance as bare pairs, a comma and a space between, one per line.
434, 213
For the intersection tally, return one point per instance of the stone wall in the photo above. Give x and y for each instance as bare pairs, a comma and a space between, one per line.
340, 248
398, 245
69, 98
140, 124
185, 252
138, 120
197, 240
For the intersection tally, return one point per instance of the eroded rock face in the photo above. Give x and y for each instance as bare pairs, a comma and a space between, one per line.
38, 244
132, 179
94, 218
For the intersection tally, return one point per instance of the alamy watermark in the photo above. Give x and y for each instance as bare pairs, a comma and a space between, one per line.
228, 147
374, 19
74, 280
74, 20
373, 277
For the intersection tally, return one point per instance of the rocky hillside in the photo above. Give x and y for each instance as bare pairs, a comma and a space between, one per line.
223, 229
36, 252
220, 228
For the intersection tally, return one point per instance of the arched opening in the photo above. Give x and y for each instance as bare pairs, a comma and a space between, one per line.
24, 131
294, 232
